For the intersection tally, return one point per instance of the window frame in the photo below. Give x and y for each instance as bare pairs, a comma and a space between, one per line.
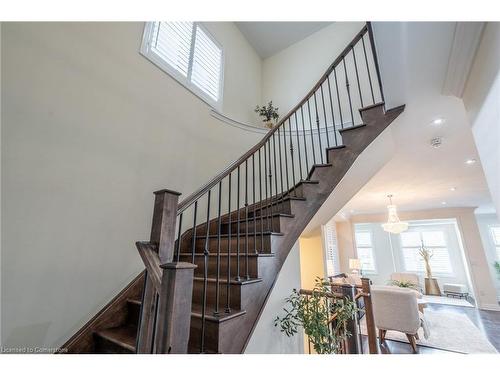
372, 247
495, 244
420, 234
147, 52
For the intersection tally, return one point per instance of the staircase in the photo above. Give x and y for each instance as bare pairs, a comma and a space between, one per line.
238, 229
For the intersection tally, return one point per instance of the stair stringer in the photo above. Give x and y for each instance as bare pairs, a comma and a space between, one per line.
340, 159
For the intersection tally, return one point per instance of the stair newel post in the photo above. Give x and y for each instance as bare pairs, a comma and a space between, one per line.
353, 342
173, 312
370, 321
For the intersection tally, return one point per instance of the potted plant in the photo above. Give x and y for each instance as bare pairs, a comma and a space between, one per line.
404, 284
497, 267
268, 114
322, 317
431, 284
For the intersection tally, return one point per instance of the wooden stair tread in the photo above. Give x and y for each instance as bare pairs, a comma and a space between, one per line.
234, 235
124, 336
222, 317
223, 280
258, 218
352, 128
214, 254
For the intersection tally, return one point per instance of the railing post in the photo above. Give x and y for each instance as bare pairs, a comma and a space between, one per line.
174, 308
166, 312
353, 344
370, 321
163, 226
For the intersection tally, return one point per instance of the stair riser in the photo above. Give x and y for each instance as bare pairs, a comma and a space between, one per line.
234, 295
263, 244
104, 346
253, 265
265, 224
133, 313
281, 208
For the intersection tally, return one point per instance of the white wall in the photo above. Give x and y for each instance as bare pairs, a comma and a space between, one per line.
90, 129
289, 75
484, 221
266, 338
481, 99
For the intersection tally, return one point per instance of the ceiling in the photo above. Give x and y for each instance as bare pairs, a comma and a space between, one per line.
268, 38
419, 175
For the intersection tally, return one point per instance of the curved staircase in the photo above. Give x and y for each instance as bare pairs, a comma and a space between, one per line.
217, 254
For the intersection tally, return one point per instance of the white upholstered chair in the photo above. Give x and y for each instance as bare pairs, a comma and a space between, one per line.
396, 309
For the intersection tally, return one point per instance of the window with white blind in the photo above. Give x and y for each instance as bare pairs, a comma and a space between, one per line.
331, 251
495, 234
187, 52
364, 249
433, 240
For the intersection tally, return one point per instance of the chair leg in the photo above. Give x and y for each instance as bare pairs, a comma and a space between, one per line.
381, 334
413, 343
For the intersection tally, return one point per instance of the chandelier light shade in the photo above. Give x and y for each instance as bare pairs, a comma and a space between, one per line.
394, 225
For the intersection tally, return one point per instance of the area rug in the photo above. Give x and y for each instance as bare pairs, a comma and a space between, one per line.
448, 331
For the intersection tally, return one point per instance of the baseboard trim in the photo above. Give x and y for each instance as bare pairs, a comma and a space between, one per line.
490, 307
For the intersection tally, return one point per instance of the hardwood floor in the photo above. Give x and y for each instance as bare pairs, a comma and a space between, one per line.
487, 321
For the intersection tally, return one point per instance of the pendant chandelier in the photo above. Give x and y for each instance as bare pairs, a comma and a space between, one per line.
393, 225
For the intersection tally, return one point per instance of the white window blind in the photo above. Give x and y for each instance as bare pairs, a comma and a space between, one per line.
495, 233
433, 240
189, 54
332, 265
364, 248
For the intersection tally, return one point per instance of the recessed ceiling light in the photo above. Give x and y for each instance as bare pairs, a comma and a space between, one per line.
453, 188
438, 121
470, 161
443, 203
436, 142
352, 211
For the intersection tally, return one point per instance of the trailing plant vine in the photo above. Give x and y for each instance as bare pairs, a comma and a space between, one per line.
322, 317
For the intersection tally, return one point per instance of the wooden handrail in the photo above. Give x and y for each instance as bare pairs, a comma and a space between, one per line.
185, 203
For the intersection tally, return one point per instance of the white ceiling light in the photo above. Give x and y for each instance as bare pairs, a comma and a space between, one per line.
438, 121
443, 203
453, 188
393, 225
470, 161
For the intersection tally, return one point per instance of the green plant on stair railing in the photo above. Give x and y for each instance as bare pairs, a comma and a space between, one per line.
497, 267
268, 114
323, 318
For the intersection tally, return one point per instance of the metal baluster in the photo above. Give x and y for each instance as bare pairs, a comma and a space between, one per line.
265, 184
357, 75
298, 147
304, 136
260, 204
253, 205
324, 115
179, 237
246, 219
338, 99
286, 155
270, 213
206, 253
228, 309
217, 276
311, 130
281, 162
317, 125
275, 173
368, 69
375, 60
193, 249
347, 86
237, 278
291, 156
331, 106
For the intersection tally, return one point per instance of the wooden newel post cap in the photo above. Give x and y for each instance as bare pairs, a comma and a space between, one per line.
166, 191
178, 266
